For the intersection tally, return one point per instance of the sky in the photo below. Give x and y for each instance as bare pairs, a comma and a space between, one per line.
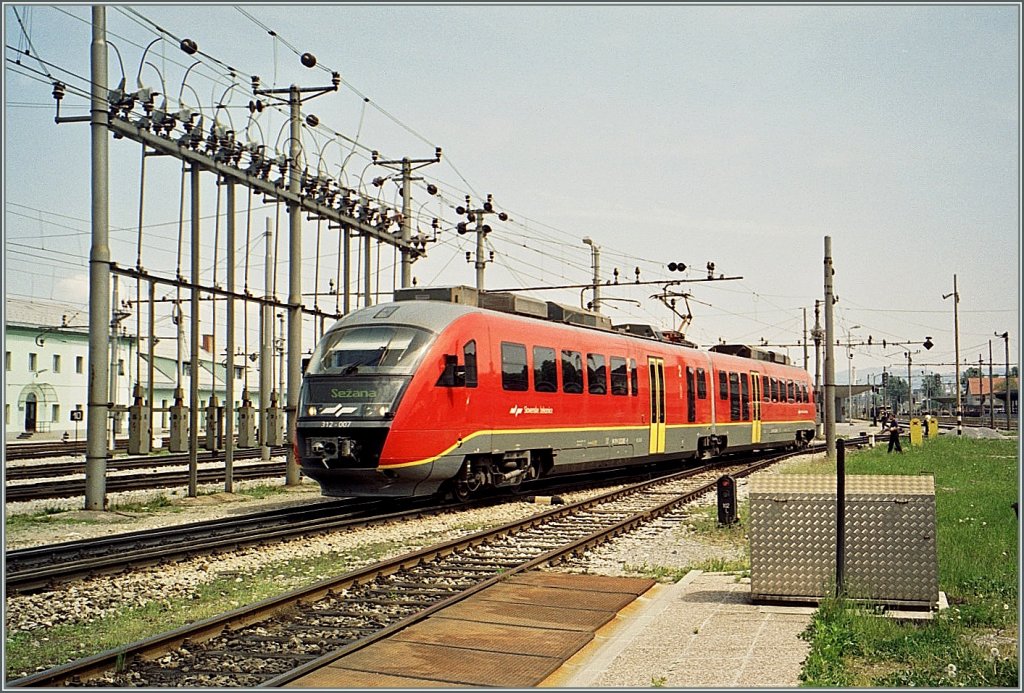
738, 135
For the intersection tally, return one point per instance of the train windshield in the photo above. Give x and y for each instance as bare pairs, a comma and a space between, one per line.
365, 350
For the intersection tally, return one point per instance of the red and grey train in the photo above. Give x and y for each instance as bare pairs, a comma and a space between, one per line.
416, 397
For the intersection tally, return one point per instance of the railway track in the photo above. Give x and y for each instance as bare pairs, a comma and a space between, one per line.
46, 470
273, 642
130, 482
54, 486
51, 448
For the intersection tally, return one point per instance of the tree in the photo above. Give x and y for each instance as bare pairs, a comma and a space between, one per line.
897, 391
932, 385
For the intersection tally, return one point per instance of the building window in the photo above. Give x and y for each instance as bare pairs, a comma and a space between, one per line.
32, 359
79, 364
7, 361
56, 413
239, 372
56, 363
7, 413
120, 366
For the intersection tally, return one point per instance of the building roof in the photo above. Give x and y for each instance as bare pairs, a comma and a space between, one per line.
979, 386
34, 312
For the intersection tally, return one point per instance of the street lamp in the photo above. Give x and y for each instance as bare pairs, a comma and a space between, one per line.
956, 335
849, 371
1006, 388
595, 263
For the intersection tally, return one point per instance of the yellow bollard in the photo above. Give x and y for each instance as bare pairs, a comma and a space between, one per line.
933, 427
916, 433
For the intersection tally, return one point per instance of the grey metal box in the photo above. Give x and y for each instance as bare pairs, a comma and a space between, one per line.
508, 302
465, 295
890, 539
577, 316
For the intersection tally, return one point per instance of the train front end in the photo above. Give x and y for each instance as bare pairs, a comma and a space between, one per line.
351, 391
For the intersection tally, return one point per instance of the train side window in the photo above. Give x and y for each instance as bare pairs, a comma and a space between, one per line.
745, 396
620, 378
766, 389
723, 385
513, 367
702, 384
572, 372
469, 359
634, 377
544, 378
734, 397
775, 390
597, 375
790, 394
691, 403
803, 390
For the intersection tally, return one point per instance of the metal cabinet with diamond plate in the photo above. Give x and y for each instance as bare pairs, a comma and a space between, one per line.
890, 553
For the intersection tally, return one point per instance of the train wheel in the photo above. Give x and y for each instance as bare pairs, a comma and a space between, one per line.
467, 483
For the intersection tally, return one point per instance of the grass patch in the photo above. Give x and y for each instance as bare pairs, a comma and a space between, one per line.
41, 517
977, 535
261, 492
157, 504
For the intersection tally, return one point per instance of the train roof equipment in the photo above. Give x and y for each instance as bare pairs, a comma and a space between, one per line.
515, 304
751, 352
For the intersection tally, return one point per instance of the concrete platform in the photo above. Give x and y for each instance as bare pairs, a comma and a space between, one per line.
701, 632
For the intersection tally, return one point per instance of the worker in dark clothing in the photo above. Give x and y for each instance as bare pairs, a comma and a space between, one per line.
894, 435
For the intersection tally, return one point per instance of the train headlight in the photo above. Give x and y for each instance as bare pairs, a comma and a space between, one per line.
383, 411
311, 411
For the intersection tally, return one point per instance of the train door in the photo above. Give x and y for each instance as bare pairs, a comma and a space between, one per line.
755, 411
657, 371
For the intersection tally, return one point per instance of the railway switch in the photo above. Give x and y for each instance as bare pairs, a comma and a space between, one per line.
726, 488
178, 440
246, 423
214, 432
274, 435
140, 426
